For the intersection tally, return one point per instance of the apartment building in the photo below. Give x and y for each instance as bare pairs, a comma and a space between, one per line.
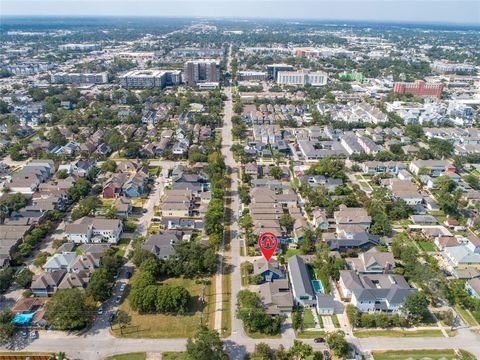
151, 78
201, 71
418, 88
79, 78
301, 78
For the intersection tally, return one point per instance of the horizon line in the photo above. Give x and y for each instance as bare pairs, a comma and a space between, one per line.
358, 21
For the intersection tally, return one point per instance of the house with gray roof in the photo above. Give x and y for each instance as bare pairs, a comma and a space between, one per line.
299, 277
268, 270
374, 292
162, 245
372, 261
276, 297
462, 257
60, 261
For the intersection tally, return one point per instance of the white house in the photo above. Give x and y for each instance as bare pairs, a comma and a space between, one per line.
96, 230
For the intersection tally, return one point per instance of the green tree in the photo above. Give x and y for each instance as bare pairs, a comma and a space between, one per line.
68, 309
80, 189
24, 278
276, 172
61, 174
286, 221
205, 345
473, 181
7, 329
337, 343
86, 207
262, 352
6, 279
109, 166
41, 258
300, 350
122, 319
416, 306
100, 285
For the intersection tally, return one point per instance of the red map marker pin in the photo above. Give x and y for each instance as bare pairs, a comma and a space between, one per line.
268, 243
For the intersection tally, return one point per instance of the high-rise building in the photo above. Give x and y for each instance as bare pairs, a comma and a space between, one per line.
301, 78
80, 78
199, 71
418, 88
272, 70
151, 78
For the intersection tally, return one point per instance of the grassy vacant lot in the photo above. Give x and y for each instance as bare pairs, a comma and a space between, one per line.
130, 356
466, 316
308, 321
310, 334
416, 354
174, 355
426, 245
397, 333
172, 326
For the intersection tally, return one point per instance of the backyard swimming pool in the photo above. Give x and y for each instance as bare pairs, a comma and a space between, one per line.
317, 286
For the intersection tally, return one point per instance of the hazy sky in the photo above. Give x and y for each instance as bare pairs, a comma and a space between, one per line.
445, 11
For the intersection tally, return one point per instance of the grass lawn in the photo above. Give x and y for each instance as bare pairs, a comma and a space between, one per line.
122, 245
257, 335
154, 170
308, 321
335, 321
320, 321
130, 356
138, 202
291, 252
466, 316
426, 245
172, 326
397, 333
415, 354
310, 334
226, 305
174, 355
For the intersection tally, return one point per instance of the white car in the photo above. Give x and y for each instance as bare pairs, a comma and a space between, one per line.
123, 287
100, 311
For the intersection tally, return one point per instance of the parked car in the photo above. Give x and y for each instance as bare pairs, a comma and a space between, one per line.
34, 335
128, 274
319, 340
25, 334
111, 316
118, 299
100, 310
123, 287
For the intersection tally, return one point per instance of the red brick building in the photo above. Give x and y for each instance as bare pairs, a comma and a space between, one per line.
418, 88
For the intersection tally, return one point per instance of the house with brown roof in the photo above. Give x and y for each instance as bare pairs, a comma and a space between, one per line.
77, 280
46, 284
351, 216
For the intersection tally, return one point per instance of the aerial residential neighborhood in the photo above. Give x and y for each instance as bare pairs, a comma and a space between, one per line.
144, 160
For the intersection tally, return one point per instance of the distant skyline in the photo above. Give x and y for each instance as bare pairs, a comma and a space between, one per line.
413, 11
